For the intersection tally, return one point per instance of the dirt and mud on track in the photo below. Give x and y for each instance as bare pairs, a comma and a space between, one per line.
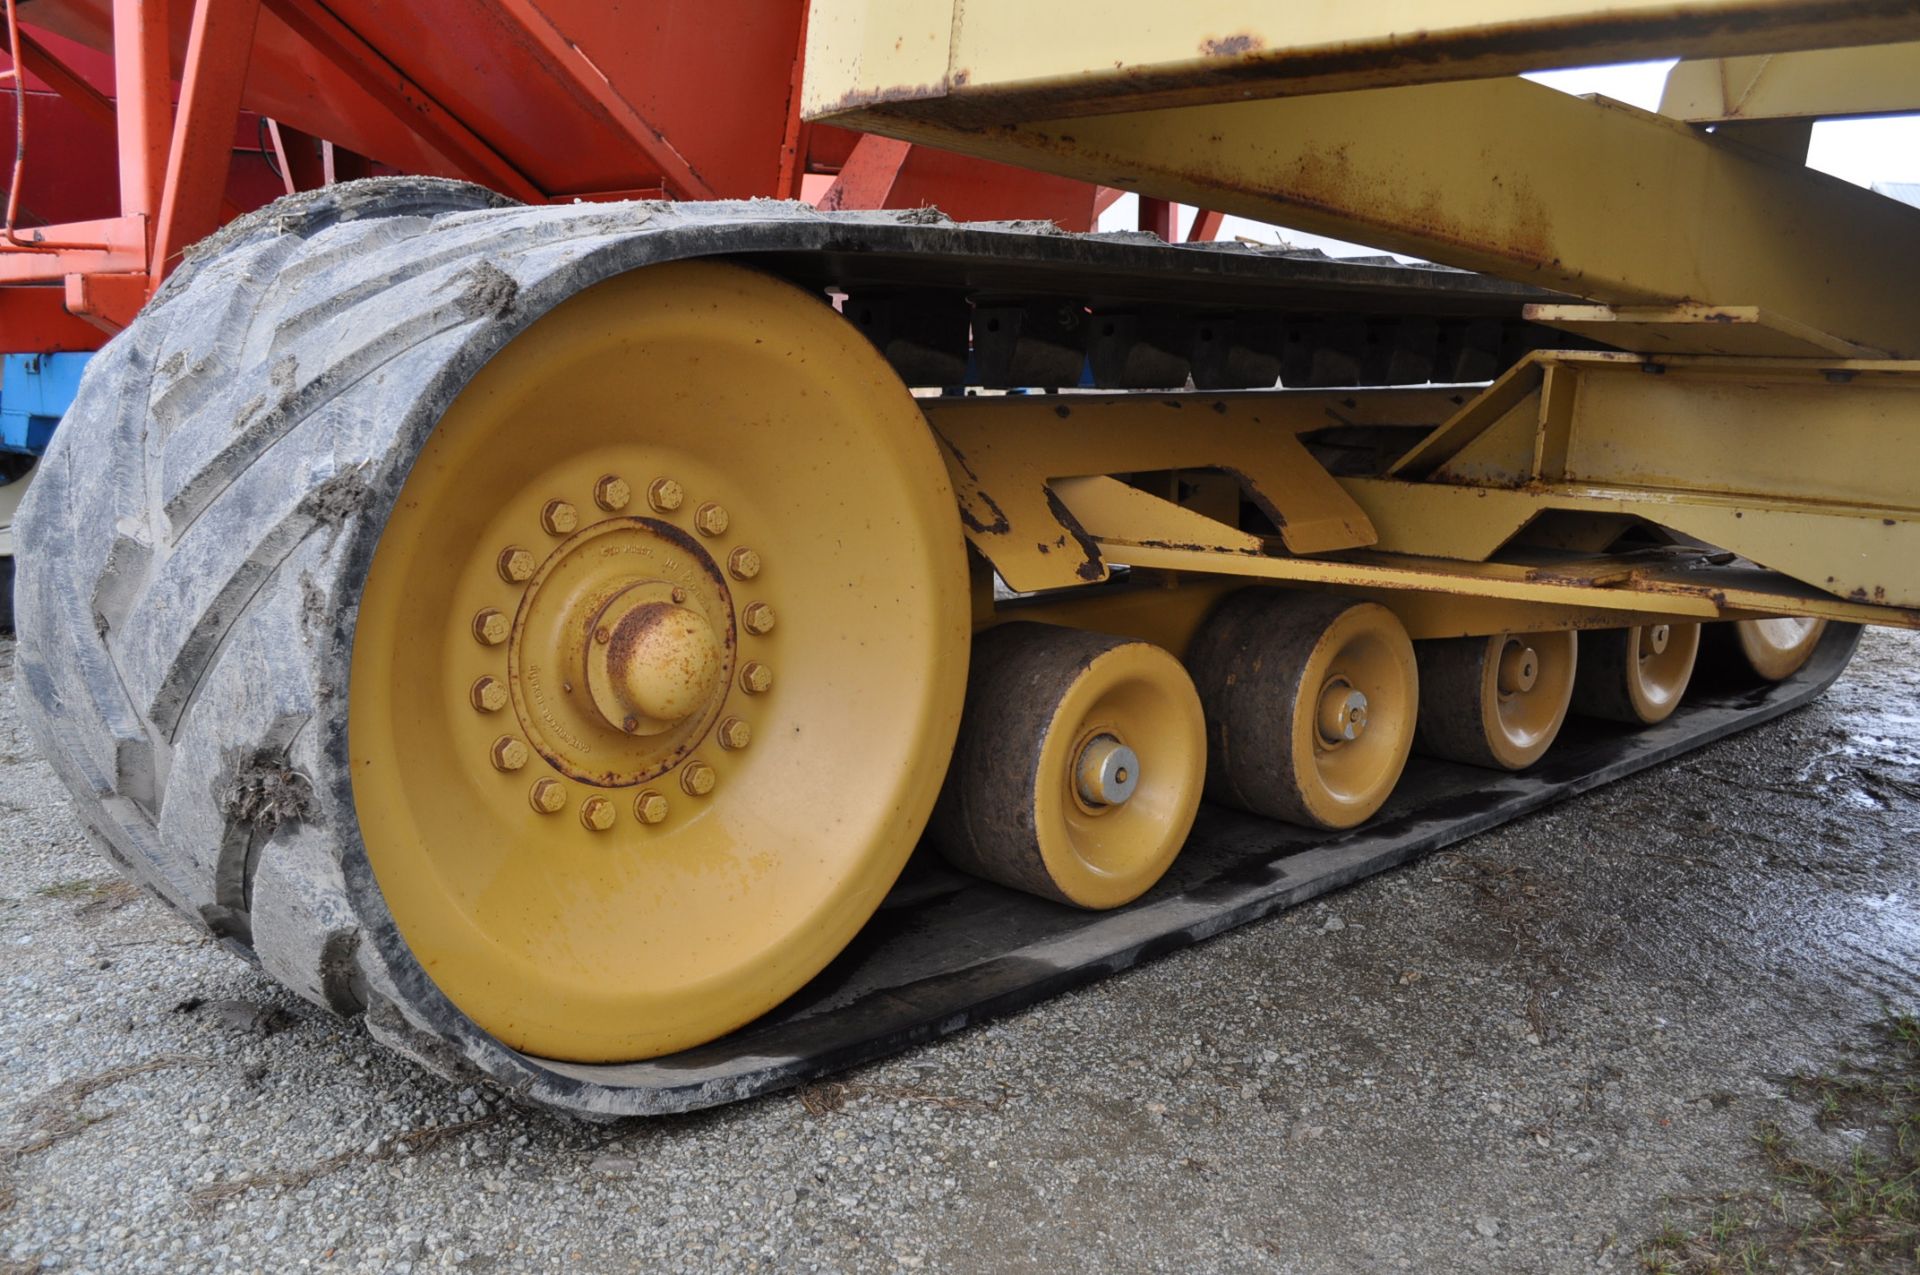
1542, 1050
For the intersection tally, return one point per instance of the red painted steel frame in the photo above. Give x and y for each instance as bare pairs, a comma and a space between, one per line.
539, 99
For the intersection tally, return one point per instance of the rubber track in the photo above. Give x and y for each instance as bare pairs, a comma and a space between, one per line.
200, 530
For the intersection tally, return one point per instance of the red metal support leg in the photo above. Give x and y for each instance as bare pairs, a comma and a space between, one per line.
143, 94
1157, 215
866, 180
1206, 226
219, 50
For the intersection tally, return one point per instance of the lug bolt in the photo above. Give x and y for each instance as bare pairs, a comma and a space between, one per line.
490, 627
516, 565
679, 594
488, 695
612, 493
650, 807
743, 563
509, 754
559, 518
548, 796
756, 678
697, 779
758, 618
603, 635
665, 495
735, 733
597, 814
710, 519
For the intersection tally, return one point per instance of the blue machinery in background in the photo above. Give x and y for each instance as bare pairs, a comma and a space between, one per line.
35, 392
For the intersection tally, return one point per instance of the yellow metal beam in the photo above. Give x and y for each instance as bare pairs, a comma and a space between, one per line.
1509, 177
1807, 85
982, 61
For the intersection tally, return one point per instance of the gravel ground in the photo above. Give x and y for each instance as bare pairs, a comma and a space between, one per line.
1520, 1055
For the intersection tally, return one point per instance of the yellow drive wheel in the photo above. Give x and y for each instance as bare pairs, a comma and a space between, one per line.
1310, 702
1494, 701
1079, 766
1773, 649
658, 666
1636, 675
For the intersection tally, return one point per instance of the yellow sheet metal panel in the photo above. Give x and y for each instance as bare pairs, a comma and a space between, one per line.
1016, 59
1811, 84
1509, 177
1697, 329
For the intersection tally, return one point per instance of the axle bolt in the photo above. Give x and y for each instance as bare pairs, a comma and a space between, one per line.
488, 695
509, 754
697, 779
490, 627
559, 518
612, 493
743, 563
516, 565
735, 733
756, 678
710, 519
665, 495
1657, 637
758, 618
650, 807
548, 796
598, 814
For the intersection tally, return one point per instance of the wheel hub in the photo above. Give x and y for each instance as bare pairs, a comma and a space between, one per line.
1108, 771
652, 662
1519, 668
1342, 715
622, 651
1657, 637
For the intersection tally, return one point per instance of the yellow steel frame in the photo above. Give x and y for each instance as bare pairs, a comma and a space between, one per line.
1806, 85
1764, 408
980, 61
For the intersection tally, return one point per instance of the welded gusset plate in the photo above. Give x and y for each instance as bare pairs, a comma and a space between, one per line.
947, 951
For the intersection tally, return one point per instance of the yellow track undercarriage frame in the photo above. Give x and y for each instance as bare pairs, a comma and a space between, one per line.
1761, 406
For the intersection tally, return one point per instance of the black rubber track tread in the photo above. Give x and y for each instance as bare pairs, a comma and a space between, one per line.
201, 528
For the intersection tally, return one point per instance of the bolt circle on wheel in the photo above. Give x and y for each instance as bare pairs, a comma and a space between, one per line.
1636, 675
1079, 766
675, 897
1310, 702
1495, 701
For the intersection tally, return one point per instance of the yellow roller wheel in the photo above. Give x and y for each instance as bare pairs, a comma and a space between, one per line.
1310, 703
1494, 701
1079, 766
1773, 649
1635, 675
658, 666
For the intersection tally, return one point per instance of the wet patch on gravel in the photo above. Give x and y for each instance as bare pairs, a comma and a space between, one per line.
1528, 1053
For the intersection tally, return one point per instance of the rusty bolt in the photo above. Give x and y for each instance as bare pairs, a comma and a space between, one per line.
597, 814
548, 796
665, 495
612, 493
758, 618
679, 594
488, 695
490, 627
650, 807
743, 563
697, 779
516, 565
559, 518
603, 635
756, 678
735, 733
710, 519
509, 754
